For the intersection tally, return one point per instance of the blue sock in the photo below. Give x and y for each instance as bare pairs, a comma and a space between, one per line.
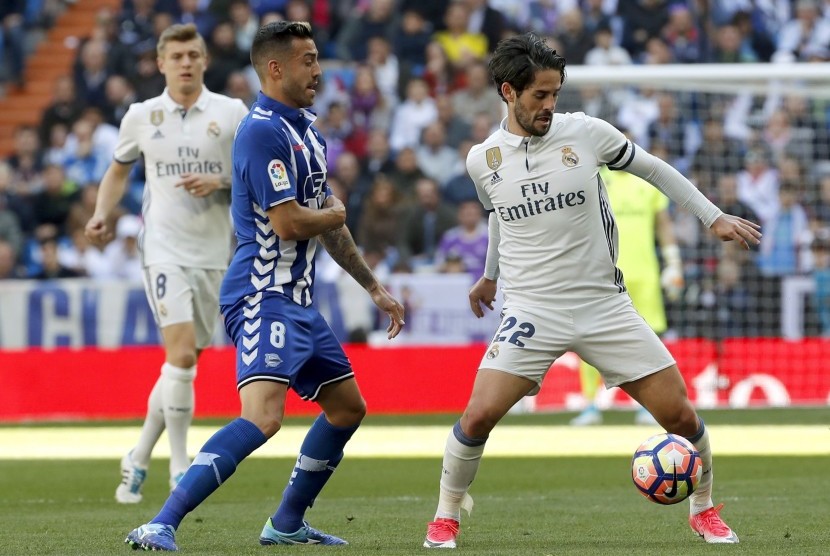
212, 466
320, 453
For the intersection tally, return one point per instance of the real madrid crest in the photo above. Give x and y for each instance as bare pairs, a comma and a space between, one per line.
213, 130
493, 352
569, 157
493, 158
156, 117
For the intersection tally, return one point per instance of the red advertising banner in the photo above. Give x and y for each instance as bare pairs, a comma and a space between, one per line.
93, 383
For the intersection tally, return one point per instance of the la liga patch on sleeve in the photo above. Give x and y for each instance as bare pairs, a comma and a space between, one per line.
278, 174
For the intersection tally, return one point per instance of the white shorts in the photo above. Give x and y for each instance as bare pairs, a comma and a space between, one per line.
607, 333
178, 294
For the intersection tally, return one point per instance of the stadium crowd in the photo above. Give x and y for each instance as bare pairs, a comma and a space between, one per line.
406, 94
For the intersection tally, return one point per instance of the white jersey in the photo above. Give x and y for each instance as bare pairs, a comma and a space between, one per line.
558, 236
179, 228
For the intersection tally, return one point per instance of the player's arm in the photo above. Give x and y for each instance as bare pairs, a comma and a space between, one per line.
202, 185
341, 246
621, 154
292, 221
484, 290
110, 192
671, 279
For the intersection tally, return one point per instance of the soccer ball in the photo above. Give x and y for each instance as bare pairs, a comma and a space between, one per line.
666, 468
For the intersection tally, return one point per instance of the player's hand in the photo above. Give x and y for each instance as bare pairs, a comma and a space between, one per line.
483, 291
392, 307
671, 279
728, 228
97, 231
199, 185
336, 205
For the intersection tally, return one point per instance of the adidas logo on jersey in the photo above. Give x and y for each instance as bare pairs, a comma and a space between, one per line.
158, 135
495, 179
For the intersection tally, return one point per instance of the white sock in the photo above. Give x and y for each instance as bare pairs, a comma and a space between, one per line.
177, 391
459, 469
152, 428
701, 499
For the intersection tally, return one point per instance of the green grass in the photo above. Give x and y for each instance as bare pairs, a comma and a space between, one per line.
562, 506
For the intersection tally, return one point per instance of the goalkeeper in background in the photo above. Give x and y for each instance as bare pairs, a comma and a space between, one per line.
641, 212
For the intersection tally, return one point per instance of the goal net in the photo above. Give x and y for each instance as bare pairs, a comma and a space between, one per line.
747, 328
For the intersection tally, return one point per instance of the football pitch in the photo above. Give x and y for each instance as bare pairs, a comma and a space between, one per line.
543, 488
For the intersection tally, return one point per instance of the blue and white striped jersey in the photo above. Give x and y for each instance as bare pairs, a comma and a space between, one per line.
277, 156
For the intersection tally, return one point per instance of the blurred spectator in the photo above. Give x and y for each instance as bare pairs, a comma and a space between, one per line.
486, 20
716, 156
821, 274
84, 163
675, 130
406, 173
80, 256
12, 40
605, 52
224, 56
10, 230
460, 45
385, 68
245, 24
755, 35
729, 47
370, 109
803, 117
423, 226
807, 31
239, 87
9, 268
642, 20
682, 35
82, 209
56, 150
104, 135
26, 160
378, 154
479, 95
638, 109
412, 116
51, 206
657, 52
439, 73
190, 11
430, 10
66, 107
378, 20
456, 128
51, 268
410, 42
467, 241
434, 156
460, 186
354, 185
484, 124
91, 73
12, 201
819, 209
336, 127
149, 82
758, 185
597, 14
783, 139
576, 41
119, 56
122, 256
120, 95
381, 217
136, 24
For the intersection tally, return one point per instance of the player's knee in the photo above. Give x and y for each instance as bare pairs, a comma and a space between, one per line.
478, 422
684, 421
268, 424
184, 358
349, 415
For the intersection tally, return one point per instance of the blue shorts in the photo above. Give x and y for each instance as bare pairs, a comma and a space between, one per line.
280, 341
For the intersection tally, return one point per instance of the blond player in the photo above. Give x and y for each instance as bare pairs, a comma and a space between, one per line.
554, 242
185, 136
641, 214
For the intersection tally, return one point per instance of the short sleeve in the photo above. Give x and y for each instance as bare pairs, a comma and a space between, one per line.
264, 160
127, 150
611, 146
475, 175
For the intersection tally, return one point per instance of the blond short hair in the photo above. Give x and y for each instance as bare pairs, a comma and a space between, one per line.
179, 33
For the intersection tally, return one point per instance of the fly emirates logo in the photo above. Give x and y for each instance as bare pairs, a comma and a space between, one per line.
188, 162
538, 200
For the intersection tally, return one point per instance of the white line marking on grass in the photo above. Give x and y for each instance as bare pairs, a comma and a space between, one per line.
514, 441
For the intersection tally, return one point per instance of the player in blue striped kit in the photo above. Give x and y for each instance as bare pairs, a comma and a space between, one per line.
281, 208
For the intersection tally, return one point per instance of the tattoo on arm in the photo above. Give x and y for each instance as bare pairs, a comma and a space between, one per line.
341, 247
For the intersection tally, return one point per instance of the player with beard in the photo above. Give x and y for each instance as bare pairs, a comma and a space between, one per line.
282, 207
553, 241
